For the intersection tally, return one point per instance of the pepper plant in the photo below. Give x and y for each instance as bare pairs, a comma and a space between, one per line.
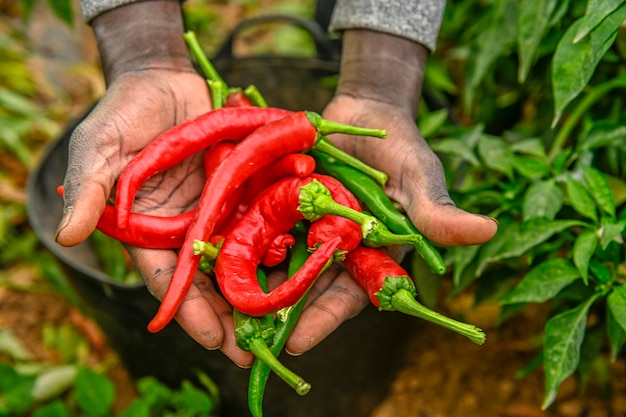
526, 113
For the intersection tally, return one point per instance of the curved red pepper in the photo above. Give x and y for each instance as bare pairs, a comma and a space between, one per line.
327, 226
144, 230
298, 164
266, 144
273, 214
277, 251
390, 288
184, 140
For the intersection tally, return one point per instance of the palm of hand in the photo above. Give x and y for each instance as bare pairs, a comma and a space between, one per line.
416, 176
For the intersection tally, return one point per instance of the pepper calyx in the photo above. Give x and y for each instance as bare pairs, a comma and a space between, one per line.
391, 286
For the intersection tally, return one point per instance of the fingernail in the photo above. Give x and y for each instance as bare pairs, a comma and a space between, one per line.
65, 221
490, 218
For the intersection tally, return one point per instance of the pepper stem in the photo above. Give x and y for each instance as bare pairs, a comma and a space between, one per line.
326, 146
327, 127
259, 348
255, 96
316, 201
206, 249
404, 302
205, 65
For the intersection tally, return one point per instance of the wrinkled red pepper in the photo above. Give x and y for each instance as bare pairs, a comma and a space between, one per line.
183, 141
273, 214
294, 133
390, 288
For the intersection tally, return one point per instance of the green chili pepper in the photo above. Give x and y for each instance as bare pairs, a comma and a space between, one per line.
380, 205
316, 201
285, 324
256, 334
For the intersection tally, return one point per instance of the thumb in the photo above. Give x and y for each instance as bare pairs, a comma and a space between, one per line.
449, 225
85, 192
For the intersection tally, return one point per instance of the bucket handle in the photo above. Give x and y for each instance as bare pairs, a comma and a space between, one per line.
323, 45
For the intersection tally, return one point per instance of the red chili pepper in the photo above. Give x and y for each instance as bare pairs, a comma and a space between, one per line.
294, 133
277, 252
327, 226
237, 98
294, 164
184, 140
272, 215
390, 288
145, 231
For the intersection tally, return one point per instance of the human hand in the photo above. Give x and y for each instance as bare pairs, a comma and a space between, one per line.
148, 92
380, 87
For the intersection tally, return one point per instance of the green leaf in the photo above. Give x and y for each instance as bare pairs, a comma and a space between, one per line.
63, 10
616, 335
496, 154
456, 147
543, 282
95, 393
597, 11
600, 190
507, 231
542, 199
602, 136
590, 351
429, 123
492, 42
54, 382
564, 334
532, 233
55, 408
584, 247
530, 146
530, 167
611, 232
533, 19
616, 302
601, 271
579, 198
462, 256
573, 64
12, 346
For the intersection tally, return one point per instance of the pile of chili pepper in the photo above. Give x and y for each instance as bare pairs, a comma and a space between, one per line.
277, 193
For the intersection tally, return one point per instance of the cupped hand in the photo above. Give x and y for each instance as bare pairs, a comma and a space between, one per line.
137, 107
416, 176
416, 181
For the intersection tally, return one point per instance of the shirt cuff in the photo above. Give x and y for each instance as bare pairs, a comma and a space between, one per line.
417, 20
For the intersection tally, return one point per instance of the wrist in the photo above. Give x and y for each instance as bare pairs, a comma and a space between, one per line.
382, 67
141, 35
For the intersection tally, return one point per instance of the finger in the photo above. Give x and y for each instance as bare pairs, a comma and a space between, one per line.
450, 226
342, 300
196, 315
87, 186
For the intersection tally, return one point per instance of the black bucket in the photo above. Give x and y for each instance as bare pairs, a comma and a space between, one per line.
350, 371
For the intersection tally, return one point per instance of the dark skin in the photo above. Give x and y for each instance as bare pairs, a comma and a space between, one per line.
152, 86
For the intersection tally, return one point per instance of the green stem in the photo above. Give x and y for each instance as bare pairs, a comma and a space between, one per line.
205, 249
327, 127
218, 94
260, 350
326, 146
255, 96
205, 65
403, 302
316, 201
580, 110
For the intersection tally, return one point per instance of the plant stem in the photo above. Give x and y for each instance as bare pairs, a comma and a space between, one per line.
326, 146
579, 111
260, 350
404, 302
205, 65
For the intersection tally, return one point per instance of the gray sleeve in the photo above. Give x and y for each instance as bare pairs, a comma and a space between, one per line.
418, 20
92, 8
